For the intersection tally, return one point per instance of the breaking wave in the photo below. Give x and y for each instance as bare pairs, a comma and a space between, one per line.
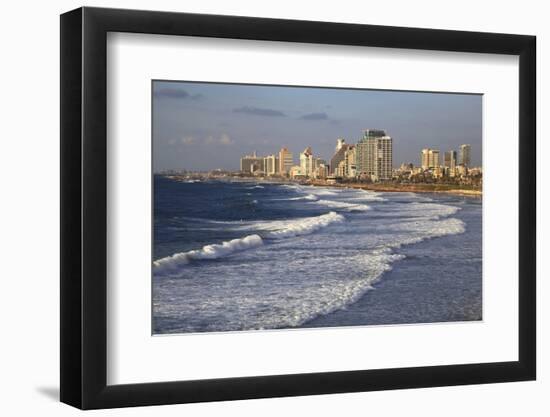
171, 263
273, 230
343, 205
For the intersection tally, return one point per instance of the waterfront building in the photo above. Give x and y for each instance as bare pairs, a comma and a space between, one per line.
296, 172
307, 163
319, 165
252, 163
340, 171
450, 159
285, 161
462, 170
321, 170
350, 158
271, 165
465, 155
339, 154
450, 163
374, 156
429, 158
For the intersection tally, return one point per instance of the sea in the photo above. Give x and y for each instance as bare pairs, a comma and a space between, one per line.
241, 255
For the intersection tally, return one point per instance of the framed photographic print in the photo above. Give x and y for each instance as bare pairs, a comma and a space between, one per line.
257, 207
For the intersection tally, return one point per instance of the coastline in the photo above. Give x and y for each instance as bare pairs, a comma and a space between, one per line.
379, 187
400, 188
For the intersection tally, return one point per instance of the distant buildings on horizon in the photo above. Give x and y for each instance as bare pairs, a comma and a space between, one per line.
429, 161
371, 159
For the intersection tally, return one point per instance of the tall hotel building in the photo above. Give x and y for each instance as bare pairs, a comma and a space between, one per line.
252, 163
285, 161
339, 155
429, 158
450, 159
271, 165
374, 157
307, 163
465, 155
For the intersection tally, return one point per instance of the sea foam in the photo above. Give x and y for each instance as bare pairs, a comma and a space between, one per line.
171, 263
273, 230
343, 205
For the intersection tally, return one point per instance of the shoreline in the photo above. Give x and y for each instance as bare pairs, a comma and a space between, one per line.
395, 188
384, 187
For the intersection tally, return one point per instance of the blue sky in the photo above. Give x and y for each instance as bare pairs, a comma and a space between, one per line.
203, 126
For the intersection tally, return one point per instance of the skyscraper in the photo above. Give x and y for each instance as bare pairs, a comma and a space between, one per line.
465, 155
450, 159
339, 155
429, 158
271, 165
374, 157
450, 163
285, 161
307, 164
350, 159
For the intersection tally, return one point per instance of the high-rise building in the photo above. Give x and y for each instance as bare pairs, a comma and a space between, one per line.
339, 155
307, 163
429, 158
450, 163
252, 163
450, 160
350, 158
321, 169
271, 165
374, 157
285, 161
465, 155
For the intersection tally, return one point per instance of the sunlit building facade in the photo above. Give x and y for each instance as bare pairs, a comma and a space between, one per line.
374, 155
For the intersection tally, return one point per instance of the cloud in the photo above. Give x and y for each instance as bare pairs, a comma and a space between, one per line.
176, 93
315, 116
257, 111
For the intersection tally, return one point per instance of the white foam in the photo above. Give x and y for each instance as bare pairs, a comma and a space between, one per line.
300, 269
277, 229
321, 191
305, 226
309, 197
171, 263
343, 205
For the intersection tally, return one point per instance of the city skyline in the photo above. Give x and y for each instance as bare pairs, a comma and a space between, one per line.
204, 126
370, 159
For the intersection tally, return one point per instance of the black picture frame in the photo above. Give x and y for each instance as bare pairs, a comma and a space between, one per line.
84, 207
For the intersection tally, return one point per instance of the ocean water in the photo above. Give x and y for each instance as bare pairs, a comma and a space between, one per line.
232, 256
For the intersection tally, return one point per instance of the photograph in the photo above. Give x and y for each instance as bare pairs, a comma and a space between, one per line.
300, 207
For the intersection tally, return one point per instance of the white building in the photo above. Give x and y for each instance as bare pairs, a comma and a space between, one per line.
374, 155
307, 162
429, 158
271, 165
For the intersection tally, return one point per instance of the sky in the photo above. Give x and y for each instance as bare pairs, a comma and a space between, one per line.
205, 126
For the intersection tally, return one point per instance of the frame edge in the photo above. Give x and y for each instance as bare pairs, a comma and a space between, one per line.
70, 213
